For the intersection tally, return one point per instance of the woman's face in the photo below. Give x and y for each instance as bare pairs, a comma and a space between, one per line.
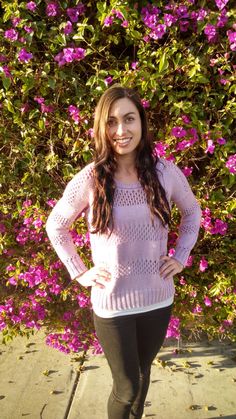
124, 126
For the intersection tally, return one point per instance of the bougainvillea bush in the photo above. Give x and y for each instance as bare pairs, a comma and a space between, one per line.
56, 59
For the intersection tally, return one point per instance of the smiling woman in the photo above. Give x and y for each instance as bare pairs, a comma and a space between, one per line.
126, 194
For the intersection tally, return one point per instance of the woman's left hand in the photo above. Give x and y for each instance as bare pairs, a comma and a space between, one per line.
170, 267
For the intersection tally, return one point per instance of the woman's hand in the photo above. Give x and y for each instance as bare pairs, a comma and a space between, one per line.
170, 267
94, 277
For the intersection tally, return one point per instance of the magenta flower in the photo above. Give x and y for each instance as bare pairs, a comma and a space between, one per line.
125, 24
160, 149
51, 202
169, 19
6, 71
24, 56
220, 227
3, 58
67, 55
185, 119
231, 164
222, 19
221, 141
91, 132
210, 32
210, 147
203, 264
75, 12
187, 171
134, 65
16, 21
178, 132
108, 21
118, 14
28, 29
74, 113
182, 12
39, 100
173, 328
11, 34
145, 103
232, 39
197, 309
68, 28
207, 302
221, 3
108, 80
52, 9
31, 5
182, 281
158, 32
189, 261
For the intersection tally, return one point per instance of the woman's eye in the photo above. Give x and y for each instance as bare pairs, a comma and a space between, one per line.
130, 119
111, 123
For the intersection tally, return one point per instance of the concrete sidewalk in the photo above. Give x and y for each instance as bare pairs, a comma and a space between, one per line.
39, 382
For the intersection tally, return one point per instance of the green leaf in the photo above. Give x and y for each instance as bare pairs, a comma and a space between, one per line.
6, 81
163, 64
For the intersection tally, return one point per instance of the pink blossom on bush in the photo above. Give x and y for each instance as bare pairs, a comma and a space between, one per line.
232, 39
221, 141
231, 164
178, 132
108, 80
11, 34
203, 264
197, 309
169, 19
125, 24
74, 113
158, 32
189, 261
210, 147
75, 12
187, 171
160, 149
68, 55
108, 21
52, 9
221, 3
211, 32
207, 302
182, 281
173, 330
185, 119
83, 300
68, 28
145, 103
220, 227
24, 56
51, 202
31, 5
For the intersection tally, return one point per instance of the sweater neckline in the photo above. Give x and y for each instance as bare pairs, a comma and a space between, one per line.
133, 185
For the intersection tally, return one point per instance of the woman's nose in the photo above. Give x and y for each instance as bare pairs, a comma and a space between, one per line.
120, 129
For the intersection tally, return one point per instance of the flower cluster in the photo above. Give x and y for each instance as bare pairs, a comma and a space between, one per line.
68, 55
115, 16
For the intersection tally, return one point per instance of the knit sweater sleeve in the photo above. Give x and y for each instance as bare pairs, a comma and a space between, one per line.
181, 195
74, 201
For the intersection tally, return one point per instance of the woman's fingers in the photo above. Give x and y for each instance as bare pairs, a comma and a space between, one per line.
170, 267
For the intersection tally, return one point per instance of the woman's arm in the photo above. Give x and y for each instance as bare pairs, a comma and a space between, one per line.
73, 202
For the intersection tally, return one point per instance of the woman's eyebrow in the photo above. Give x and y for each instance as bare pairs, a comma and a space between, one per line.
123, 116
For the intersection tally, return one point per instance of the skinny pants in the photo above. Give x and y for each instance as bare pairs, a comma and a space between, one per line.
130, 344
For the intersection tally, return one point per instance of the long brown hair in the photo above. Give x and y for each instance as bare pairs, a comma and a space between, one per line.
106, 164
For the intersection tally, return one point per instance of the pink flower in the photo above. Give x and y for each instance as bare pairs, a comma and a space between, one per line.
231, 164
108, 21
75, 12
189, 261
187, 171
11, 34
173, 330
203, 264
108, 80
68, 28
169, 19
197, 309
221, 141
211, 32
220, 227
134, 65
52, 9
210, 147
125, 24
182, 281
158, 32
31, 5
178, 132
186, 119
24, 56
145, 103
51, 202
221, 3
160, 149
232, 39
74, 113
207, 302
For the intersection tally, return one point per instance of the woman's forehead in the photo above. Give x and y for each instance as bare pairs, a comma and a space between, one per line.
121, 107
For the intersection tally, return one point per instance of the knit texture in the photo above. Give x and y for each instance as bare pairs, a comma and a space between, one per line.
132, 252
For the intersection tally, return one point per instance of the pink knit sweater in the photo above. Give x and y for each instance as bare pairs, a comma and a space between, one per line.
132, 253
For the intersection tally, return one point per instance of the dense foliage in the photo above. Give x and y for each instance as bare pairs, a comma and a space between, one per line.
56, 59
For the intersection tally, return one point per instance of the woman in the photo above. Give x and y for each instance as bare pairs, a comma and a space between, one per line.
126, 194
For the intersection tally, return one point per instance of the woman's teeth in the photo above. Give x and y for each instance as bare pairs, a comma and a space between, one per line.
123, 141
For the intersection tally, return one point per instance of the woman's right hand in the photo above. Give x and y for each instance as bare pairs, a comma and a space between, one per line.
94, 277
